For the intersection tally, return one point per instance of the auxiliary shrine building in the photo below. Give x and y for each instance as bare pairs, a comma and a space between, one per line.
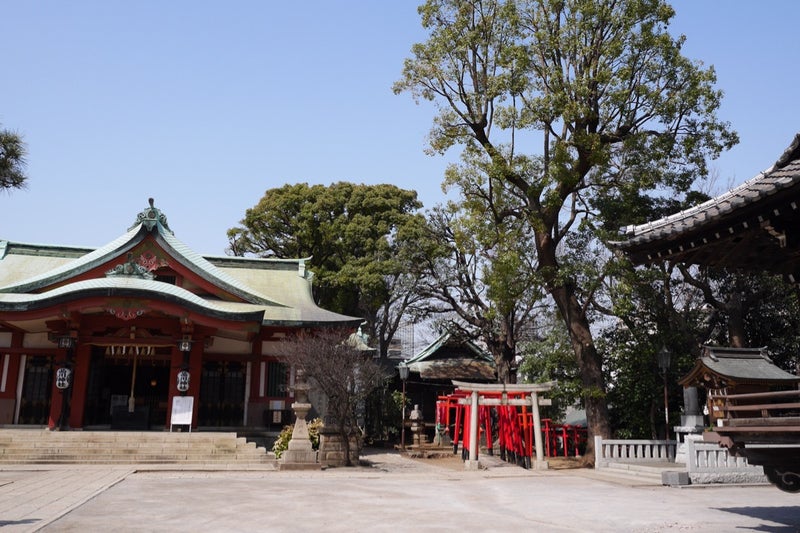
121, 335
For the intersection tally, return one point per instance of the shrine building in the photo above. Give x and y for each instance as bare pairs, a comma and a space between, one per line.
108, 337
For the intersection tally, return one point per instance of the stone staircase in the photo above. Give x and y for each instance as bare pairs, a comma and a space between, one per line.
632, 474
220, 450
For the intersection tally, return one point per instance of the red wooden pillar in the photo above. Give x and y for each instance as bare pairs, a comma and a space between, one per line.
457, 428
56, 398
80, 382
486, 425
195, 371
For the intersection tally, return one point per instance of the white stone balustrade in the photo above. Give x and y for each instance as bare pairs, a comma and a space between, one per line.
624, 450
711, 457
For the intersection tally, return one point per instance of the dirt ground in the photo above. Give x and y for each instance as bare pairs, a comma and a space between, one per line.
446, 459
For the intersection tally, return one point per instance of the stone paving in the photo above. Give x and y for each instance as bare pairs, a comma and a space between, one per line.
390, 493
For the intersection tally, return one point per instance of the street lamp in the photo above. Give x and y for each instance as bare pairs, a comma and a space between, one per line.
663, 357
402, 368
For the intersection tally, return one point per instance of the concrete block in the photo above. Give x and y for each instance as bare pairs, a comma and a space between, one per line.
674, 479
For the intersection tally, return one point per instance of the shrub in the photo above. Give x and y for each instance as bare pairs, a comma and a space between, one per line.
282, 442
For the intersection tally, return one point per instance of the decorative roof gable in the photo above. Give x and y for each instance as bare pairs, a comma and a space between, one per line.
720, 367
450, 358
40, 279
151, 223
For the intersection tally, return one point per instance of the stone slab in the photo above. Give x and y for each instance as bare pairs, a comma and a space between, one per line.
674, 479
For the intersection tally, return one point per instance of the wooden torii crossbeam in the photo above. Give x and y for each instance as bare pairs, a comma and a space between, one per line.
497, 394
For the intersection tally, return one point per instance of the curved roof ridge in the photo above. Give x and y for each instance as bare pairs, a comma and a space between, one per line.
203, 266
123, 283
82, 264
766, 183
194, 261
699, 208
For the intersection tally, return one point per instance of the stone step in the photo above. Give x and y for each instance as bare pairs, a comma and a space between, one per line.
632, 474
40, 446
160, 459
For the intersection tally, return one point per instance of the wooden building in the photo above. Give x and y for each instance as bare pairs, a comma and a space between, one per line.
735, 371
433, 369
108, 337
754, 227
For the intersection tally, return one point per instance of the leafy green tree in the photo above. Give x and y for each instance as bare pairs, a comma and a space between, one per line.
362, 241
605, 91
655, 309
481, 277
751, 310
549, 357
12, 161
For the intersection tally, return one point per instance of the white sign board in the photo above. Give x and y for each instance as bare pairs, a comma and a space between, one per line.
182, 407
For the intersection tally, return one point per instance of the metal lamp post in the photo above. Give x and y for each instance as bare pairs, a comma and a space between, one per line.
663, 364
402, 368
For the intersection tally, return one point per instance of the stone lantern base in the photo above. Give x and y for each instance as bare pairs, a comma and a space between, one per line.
300, 455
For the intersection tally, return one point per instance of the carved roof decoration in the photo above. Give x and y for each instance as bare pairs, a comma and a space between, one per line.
151, 217
753, 227
130, 268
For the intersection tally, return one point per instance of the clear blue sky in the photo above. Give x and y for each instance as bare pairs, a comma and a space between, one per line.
205, 105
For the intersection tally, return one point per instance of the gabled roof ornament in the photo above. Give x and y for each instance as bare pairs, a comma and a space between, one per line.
130, 269
150, 217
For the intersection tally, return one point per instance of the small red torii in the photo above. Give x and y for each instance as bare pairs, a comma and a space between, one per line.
517, 433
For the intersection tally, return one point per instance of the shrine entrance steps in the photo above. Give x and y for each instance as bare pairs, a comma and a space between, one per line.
195, 449
633, 474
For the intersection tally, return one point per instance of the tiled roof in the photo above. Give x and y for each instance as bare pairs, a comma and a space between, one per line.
449, 358
446, 339
279, 291
111, 286
741, 365
784, 174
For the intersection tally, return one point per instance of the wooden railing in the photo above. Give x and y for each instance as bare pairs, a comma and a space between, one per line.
639, 451
760, 412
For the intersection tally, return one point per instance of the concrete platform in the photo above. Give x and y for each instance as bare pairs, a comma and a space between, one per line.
388, 493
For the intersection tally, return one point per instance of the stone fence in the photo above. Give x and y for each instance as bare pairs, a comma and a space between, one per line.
709, 462
632, 451
705, 462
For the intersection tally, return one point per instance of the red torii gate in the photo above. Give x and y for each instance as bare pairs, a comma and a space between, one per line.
526, 394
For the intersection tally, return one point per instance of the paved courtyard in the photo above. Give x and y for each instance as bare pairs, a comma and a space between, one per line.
391, 494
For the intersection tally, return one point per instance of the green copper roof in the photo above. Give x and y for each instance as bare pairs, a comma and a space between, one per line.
278, 289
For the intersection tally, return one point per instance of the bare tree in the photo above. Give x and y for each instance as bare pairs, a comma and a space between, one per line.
342, 370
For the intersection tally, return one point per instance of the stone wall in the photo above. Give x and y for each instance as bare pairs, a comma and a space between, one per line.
331, 449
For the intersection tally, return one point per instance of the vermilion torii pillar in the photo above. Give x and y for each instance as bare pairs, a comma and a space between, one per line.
499, 396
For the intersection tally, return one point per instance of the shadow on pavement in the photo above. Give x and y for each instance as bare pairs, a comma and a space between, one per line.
787, 517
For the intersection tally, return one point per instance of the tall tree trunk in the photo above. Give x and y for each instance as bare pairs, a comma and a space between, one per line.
736, 334
589, 361
590, 364
504, 359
